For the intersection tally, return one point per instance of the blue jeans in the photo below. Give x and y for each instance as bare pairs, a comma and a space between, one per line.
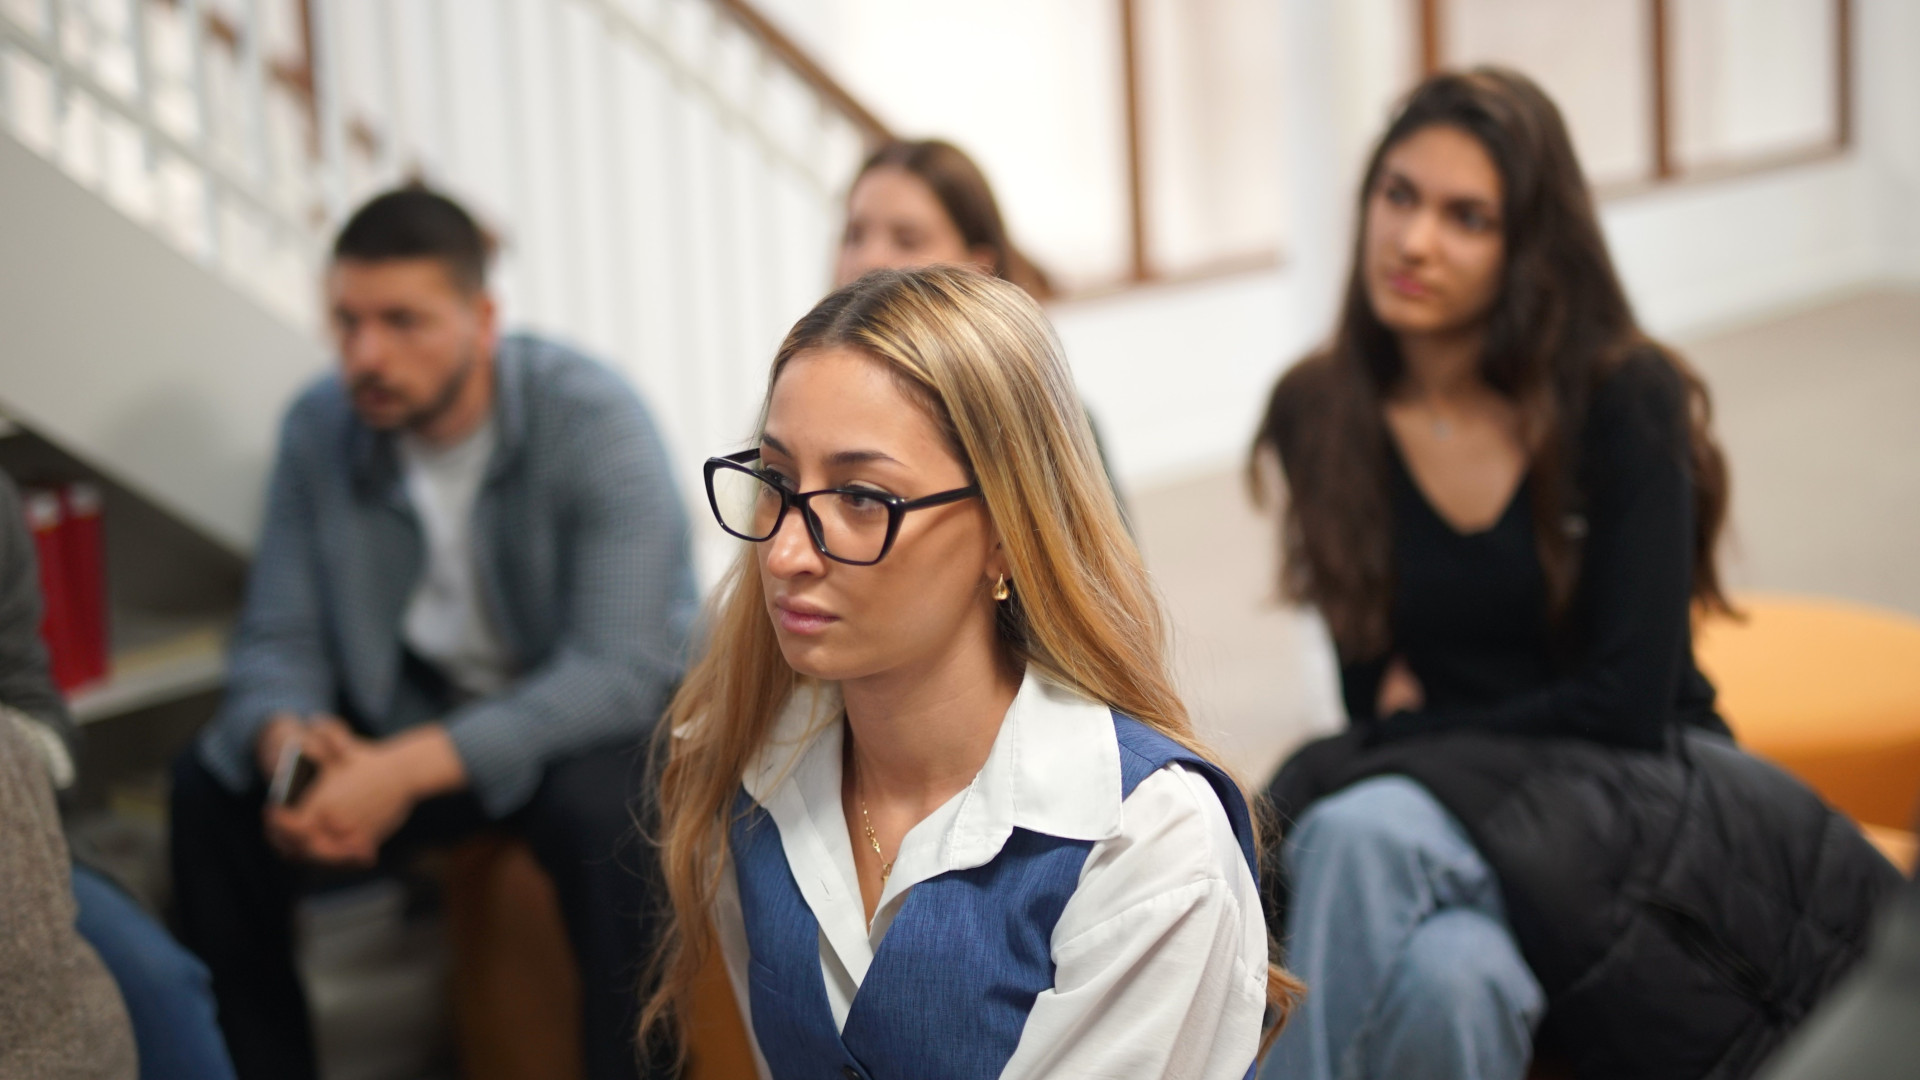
168, 994
1397, 928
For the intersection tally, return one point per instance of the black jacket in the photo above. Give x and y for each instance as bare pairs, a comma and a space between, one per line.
1683, 909
1866, 1030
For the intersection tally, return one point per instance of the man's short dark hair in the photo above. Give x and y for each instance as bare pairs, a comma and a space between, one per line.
415, 222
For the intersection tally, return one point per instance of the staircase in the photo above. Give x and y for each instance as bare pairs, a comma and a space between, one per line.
663, 177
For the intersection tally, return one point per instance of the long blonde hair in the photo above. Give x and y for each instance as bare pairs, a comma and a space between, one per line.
976, 353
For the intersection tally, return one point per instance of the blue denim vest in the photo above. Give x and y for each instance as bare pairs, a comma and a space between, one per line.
950, 986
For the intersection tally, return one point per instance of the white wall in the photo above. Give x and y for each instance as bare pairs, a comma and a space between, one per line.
1888, 110
1699, 257
1177, 375
1033, 91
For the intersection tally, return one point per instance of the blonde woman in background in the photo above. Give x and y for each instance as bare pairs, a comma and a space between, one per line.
924, 202
920, 202
895, 790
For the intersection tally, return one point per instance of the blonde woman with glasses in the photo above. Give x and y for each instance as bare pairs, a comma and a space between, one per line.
931, 794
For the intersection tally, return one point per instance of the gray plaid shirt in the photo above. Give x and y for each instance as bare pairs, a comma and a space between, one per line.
581, 544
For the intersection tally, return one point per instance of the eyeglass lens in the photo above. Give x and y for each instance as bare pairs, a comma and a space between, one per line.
851, 526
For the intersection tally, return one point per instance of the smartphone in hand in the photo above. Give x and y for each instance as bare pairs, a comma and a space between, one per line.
294, 773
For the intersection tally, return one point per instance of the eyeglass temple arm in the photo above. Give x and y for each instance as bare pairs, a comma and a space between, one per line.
942, 498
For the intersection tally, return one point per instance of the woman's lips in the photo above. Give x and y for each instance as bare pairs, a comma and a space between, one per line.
1407, 285
796, 621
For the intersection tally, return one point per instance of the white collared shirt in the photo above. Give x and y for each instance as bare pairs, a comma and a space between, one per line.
1160, 956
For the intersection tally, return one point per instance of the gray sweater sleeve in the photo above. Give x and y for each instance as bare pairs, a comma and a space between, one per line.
60, 1012
26, 686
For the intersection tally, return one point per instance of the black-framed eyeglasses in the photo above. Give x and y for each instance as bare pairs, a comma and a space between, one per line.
856, 526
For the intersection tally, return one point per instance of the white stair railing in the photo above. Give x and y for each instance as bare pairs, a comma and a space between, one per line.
664, 175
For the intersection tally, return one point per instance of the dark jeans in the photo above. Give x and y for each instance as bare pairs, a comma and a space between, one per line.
166, 989
235, 898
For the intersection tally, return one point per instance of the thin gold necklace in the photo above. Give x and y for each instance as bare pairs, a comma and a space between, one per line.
886, 867
866, 819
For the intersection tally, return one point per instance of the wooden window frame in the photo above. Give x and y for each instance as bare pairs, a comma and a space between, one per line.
296, 75
1141, 267
1430, 20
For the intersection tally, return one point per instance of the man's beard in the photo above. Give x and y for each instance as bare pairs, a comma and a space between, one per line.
442, 402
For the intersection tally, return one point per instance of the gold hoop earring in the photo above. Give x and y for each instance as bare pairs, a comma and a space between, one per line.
1001, 590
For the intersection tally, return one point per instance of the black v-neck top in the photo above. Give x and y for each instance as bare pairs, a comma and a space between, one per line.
1470, 614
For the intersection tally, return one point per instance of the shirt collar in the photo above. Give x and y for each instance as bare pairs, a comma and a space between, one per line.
1054, 768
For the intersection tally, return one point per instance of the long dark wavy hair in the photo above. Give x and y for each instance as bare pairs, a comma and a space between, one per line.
1560, 325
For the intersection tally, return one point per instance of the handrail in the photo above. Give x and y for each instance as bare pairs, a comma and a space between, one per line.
297, 76
731, 112
809, 70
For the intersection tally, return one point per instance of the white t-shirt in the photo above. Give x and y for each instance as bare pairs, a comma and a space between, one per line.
1160, 956
447, 623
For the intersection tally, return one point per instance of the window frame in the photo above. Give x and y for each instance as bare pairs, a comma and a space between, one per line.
1430, 25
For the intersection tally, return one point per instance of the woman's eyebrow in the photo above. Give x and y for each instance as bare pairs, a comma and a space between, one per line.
1471, 202
860, 457
838, 457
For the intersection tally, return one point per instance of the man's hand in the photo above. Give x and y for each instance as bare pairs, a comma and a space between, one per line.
323, 739
273, 740
365, 791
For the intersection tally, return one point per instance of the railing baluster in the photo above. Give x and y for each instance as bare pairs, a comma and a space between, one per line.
254, 86
619, 201
765, 226
90, 24
400, 141
143, 87
327, 107
513, 84
720, 223
203, 130
567, 136
444, 118
680, 384
54, 20
7, 121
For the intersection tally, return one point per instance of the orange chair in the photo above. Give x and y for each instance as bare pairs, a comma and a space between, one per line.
719, 1038
516, 992
1829, 691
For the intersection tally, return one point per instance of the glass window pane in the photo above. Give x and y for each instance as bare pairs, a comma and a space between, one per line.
1210, 102
1752, 78
1033, 91
1591, 56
